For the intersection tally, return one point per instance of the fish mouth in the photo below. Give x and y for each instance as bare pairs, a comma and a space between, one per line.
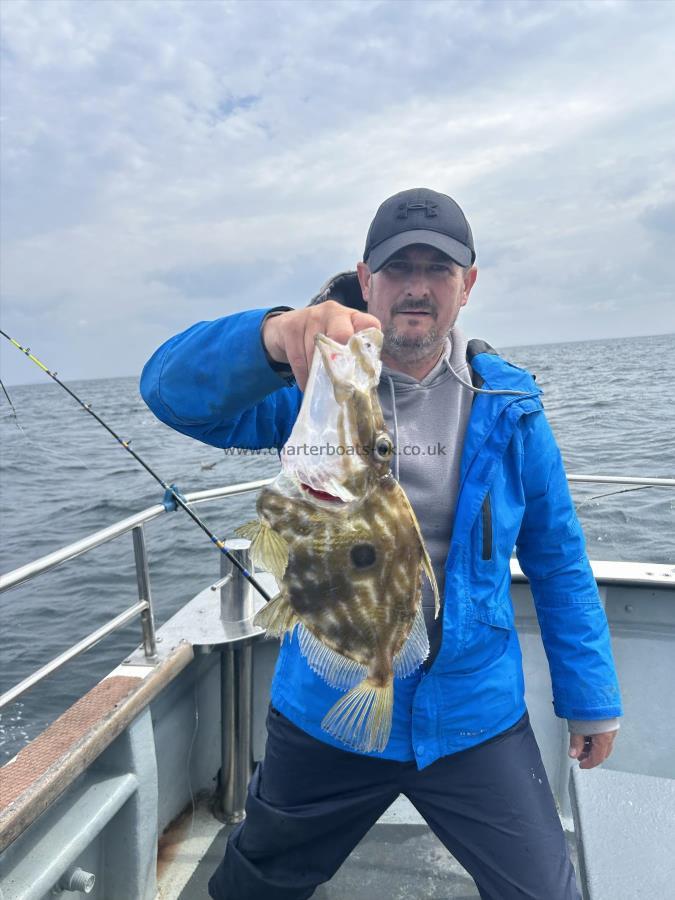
320, 495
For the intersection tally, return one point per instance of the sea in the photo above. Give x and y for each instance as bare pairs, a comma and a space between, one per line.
62, 476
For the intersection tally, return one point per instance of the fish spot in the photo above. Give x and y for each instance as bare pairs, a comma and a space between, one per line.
312, 597
363, 555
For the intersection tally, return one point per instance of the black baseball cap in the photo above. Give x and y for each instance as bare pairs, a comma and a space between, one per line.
419, 216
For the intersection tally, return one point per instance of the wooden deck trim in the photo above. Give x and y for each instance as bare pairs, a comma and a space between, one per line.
43, 769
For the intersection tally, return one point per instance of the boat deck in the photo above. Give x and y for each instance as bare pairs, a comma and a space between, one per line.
128, 757
399, 859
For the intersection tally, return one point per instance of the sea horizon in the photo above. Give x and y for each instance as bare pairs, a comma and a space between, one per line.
37, 379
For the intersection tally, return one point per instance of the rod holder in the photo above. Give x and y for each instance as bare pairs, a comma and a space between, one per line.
236, 593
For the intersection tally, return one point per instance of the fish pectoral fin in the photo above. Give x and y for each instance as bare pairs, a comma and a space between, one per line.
277, 617
362, 718
269, 550
416, 648
249, 530
272, 551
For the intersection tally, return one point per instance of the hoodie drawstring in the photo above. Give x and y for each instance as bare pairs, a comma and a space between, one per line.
393, 410
466, 384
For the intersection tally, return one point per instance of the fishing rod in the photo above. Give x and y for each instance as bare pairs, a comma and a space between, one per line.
169, 489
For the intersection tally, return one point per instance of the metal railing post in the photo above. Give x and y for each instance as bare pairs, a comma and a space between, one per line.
143, 580
236, 676
236, 749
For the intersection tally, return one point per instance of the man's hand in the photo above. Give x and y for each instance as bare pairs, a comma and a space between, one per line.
289, 337
593, 749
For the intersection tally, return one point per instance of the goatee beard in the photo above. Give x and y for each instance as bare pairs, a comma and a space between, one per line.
411, 348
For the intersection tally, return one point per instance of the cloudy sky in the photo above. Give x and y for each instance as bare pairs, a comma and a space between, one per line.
165, 162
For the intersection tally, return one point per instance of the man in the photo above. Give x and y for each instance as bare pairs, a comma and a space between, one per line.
461, 746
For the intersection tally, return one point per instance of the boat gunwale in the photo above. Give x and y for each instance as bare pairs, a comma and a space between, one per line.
80, 738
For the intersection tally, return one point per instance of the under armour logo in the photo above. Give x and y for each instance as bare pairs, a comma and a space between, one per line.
428, 206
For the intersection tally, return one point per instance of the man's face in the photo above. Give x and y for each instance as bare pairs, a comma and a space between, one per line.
417, 296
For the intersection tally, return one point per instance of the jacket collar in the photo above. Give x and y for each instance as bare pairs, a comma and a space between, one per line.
493, 416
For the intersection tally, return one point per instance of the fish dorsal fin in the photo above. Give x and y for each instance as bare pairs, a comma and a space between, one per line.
429, 572
336, 670
426, 561
416, 648
269, 550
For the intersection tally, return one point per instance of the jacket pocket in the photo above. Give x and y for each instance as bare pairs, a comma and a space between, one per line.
497, 613
486, 519
484, 645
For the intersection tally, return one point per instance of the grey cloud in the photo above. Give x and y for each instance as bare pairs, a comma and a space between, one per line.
258, 283
660, 218
162, 161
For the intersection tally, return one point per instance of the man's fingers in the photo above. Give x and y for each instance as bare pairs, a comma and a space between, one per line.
338, 323
576, 745
311, 332
339, 329
362, 320
296, 351
591, 751
295, 331
341, 323
594, 757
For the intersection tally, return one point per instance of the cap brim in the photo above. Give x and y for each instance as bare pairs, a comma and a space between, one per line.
459, 253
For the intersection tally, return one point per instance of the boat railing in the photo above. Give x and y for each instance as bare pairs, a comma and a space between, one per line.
143, 607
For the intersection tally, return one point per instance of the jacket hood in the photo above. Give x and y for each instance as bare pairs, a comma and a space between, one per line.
496, 373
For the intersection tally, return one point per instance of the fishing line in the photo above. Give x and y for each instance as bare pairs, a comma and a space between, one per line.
60, 456
9, 400
169, 489
644, 487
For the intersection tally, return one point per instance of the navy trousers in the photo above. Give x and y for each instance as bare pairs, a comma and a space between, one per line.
309, 804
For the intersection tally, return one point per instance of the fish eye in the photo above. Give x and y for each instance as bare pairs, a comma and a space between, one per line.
363, 555
383, 447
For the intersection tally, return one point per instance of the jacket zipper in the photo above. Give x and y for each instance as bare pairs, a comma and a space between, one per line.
485, 437
486, 511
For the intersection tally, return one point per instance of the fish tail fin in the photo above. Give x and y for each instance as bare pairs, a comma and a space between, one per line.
362, 718
268, 549
277, 617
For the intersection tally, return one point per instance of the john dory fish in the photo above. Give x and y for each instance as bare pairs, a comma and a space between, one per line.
339, 534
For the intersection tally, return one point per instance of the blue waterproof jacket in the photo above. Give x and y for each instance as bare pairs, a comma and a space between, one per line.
214, 383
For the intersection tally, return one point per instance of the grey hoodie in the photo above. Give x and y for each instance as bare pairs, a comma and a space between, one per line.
428, 419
